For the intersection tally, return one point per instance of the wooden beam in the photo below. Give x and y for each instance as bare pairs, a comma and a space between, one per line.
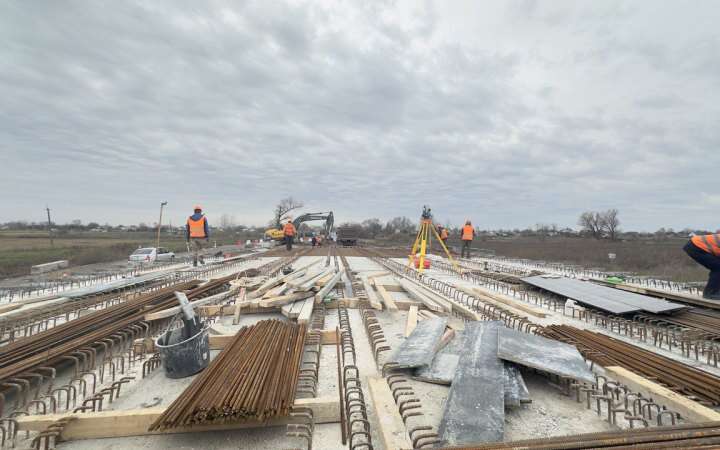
387, 299
306, 311
228, 310
328, 287
690, 410
167, 313
284, 299
412, 319
238, 305
391, 287
135, 422
517, 304
392, 429
372, 296
415, 294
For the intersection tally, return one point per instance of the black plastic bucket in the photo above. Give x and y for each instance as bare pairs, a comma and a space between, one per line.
182, 359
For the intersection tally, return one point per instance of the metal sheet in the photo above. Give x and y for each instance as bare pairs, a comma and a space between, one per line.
601, 297
475, 408
541, 353
419, 348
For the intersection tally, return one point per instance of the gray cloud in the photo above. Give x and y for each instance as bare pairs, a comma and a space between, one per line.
509, 113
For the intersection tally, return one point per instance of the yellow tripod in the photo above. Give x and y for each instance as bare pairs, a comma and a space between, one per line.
422, 240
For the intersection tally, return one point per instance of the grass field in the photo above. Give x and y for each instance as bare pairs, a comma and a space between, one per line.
20, 250
659, 258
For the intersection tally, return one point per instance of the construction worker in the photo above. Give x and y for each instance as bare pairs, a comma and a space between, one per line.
466, 234
705, 250
289, 233
196, 230
443, 232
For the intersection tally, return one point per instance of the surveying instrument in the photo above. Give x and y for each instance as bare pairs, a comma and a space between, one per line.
422, 241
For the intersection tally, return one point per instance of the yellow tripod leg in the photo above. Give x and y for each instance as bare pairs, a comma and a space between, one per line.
423, 247
447, 252
415, 246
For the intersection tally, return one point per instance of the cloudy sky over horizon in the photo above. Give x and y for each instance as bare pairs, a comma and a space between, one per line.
511, 113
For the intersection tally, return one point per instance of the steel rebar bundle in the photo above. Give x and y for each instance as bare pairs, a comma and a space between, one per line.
254, 377
608, 351
700, 435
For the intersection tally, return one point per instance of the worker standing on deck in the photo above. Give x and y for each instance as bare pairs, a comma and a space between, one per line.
705, 250
466, 234
443, 232
289, 232
196, 230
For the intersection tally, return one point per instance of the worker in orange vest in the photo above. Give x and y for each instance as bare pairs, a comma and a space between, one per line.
196, 231
705, 250
466, 234
443, 232
289, 233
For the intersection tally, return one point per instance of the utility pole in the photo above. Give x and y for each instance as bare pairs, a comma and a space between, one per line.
52, 244
162, 205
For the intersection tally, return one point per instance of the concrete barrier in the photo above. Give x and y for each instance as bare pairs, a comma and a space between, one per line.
49, 267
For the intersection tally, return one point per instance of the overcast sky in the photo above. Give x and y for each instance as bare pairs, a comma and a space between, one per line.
510, 113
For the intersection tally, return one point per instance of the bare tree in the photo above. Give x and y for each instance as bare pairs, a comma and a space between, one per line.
592, 223
372, 227
400, 224
611, 223
284, 207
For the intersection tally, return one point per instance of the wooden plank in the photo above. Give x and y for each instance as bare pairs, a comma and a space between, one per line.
238, 305
390, 287
517, 304
405, 305
372, 296
135, 422
475, 408
434, 296
690, 410
328, 287
228, 310
10, 307
419, 348
392, 430
284, 299
412, 320
540, 353
415, 294
292, 310
306, 311
170, 312
387, 299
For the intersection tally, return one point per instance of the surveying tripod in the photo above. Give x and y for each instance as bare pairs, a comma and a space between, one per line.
422, 240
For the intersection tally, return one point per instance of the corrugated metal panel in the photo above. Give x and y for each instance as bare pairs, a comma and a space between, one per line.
601, 297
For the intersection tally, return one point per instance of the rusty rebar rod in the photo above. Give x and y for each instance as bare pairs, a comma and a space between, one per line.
254, 377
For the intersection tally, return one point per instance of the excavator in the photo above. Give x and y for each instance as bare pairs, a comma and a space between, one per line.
277, 234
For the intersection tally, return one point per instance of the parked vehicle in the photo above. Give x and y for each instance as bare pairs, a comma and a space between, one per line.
348, 235
151, 255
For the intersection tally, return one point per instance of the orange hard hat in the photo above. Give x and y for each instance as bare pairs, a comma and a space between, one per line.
197, 207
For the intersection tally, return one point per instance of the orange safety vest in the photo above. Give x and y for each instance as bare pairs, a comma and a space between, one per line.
710, 243
444, 234
467, 233
289, 229
197, 227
